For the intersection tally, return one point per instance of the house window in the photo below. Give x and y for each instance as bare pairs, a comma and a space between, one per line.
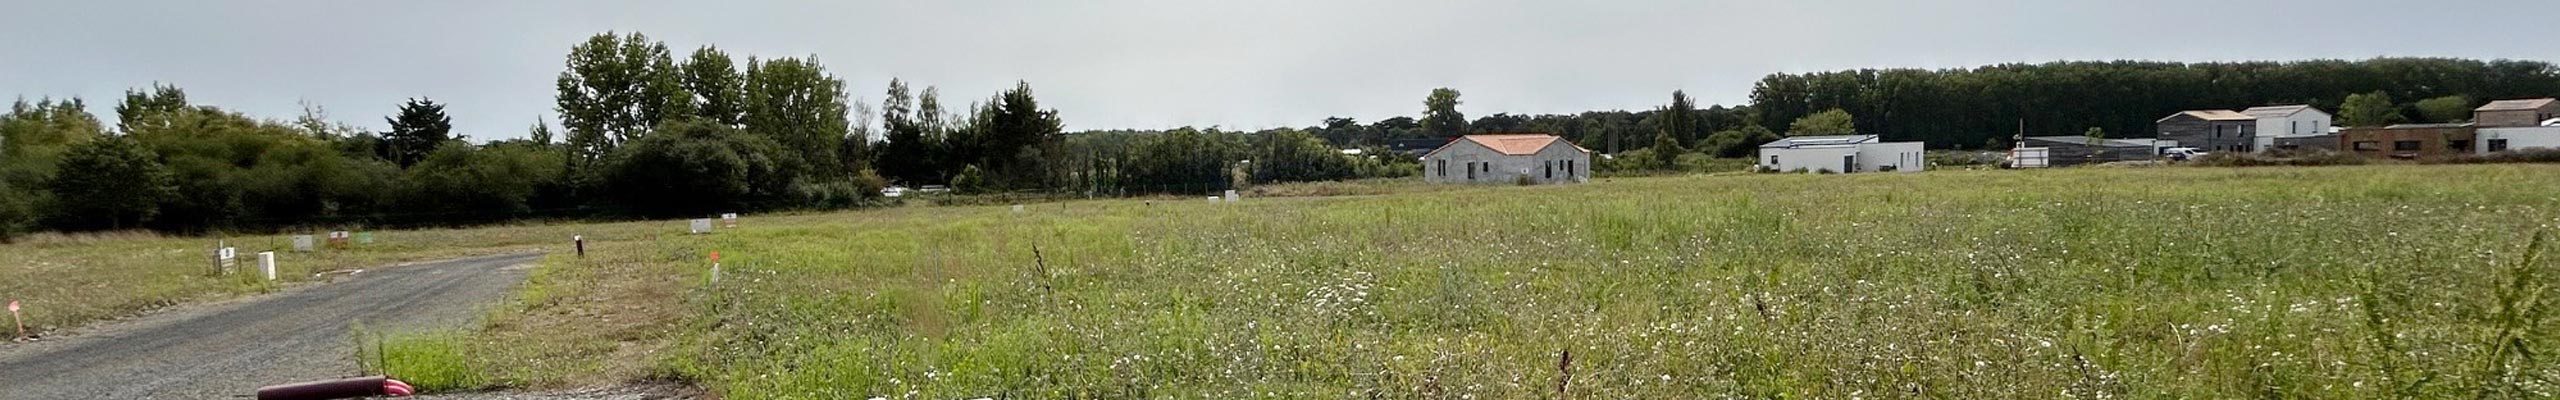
1471, 171
2497, 145
2407, 145
2217, 131
1444, 167
2458, 145
2368, 145
1551, 169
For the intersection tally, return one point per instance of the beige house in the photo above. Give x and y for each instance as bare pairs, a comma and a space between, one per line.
2515, 113
1505, 159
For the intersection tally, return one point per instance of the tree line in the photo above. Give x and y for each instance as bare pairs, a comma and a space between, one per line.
1977, 107
643, 133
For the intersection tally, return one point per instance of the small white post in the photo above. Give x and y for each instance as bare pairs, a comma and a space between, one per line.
1017, 208
701, 226
267, 264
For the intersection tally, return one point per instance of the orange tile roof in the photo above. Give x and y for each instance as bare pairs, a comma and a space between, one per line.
1514, 144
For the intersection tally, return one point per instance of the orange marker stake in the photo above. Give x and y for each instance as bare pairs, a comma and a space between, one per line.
13, 317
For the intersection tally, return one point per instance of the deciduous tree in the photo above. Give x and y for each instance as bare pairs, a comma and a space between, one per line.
2368, 110
111, 183
1440, 116
1829, 122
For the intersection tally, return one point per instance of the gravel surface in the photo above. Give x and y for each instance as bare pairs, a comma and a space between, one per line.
228, 349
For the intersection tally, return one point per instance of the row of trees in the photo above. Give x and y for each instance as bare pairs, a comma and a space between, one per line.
172, 165
641, 133
1965, 108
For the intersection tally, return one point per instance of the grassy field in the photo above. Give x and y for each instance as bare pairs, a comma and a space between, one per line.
2343, 282
2350, 282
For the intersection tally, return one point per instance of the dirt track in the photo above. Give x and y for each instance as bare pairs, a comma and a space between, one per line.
229, 349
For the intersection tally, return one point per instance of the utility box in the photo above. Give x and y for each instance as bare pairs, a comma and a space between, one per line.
2031, 157
267, 264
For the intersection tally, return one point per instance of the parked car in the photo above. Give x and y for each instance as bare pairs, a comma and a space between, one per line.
2182, 153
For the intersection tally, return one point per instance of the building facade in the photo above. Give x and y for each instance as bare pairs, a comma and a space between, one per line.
2492, 140
2064, 151
2211, 130
2286, 121
2515, 113
2411, 141
1842, 154
1507, 159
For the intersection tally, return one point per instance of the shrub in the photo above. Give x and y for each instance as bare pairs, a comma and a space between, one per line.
17, 211
697, 168
2531, 155
2305, 157
109, 184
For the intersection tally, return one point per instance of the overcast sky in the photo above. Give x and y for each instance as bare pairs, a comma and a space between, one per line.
1157, 64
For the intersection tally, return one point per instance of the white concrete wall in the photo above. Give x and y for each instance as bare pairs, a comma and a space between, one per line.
1505, 169
2307, 122
1871, 157
1903, 156
1808, 158
2518, 138
1568, 164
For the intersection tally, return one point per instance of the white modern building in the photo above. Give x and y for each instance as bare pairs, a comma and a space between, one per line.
2292, 121
1511, 158
1843, 154
2493, 140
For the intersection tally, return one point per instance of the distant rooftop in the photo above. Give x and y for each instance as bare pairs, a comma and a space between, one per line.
2428, 126
2084, 140
1833, 140
2276, 111
2215, 115
2517, 104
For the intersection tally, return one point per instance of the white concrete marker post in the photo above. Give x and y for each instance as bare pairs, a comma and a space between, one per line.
1017, 208
301, 243
1231, 196
701, 226
267, 264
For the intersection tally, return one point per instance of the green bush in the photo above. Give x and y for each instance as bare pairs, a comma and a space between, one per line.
17, 212
2306, 157
696, 168
431, 361
2531, 155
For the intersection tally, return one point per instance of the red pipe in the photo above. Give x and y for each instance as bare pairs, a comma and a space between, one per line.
336, 389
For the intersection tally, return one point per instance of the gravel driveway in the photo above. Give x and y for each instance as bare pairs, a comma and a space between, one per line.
228, 349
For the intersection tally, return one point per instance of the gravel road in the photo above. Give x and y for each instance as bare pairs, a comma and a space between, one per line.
228, 349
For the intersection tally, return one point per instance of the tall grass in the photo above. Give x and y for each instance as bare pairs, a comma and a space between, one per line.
431, 361
2376, 282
